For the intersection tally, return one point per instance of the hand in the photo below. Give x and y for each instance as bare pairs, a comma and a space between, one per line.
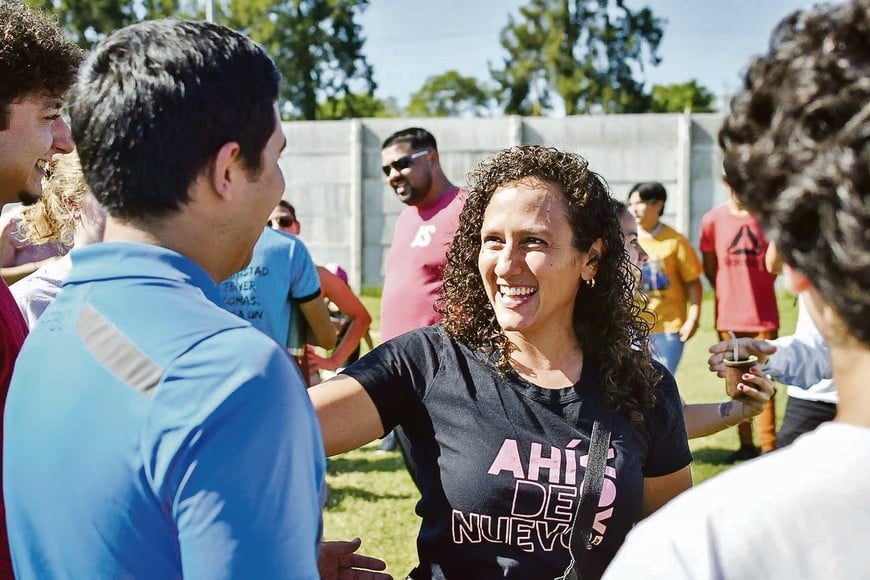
338, 561
745, 346
688, 329
317, 362
755, 391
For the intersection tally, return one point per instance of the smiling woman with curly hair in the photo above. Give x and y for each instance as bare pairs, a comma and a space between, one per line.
606, 317
541, 340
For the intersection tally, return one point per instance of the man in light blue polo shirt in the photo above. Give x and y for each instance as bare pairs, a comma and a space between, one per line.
149, 432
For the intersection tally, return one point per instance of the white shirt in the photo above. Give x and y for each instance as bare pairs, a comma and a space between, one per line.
801, 512
803, 361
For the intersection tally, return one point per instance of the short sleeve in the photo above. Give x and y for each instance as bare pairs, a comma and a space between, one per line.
708, 234
397, 373
305, 285
669, 445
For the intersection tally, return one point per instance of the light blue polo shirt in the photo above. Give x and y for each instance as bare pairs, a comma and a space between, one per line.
149, 433
281, 274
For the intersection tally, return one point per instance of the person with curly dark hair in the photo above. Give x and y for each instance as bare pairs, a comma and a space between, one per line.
499, 400
37, 67
797, 155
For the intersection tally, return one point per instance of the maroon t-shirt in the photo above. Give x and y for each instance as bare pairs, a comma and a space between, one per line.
745, 295
13, 330
414, 266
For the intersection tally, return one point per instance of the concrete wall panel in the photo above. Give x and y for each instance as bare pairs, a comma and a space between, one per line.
332, 169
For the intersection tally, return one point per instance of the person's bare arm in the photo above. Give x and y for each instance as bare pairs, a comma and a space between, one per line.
348, 416
657, 491
772, 259
696, 294
317, 316
342, 296
10, 272
13, 274
711, 266
704, 419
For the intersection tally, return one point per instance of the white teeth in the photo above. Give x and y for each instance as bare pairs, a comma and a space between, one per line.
515, 291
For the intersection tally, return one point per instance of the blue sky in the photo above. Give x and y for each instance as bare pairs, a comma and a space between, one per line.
708, 40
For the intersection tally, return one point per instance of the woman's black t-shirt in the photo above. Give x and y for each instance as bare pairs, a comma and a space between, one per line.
499, 459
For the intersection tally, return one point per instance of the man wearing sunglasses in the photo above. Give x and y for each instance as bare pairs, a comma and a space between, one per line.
283, 218
418, 253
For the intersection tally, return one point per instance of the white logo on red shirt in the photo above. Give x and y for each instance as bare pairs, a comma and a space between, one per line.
423, 237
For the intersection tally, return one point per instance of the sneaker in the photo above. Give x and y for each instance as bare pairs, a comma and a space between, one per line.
744, 453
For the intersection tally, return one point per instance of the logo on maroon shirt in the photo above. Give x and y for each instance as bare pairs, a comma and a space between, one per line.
745, 248
423, 237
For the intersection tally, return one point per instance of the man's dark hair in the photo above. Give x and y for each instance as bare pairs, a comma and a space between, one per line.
287, 205
155, 102
797, 151
417, 137
35, 58
650, 190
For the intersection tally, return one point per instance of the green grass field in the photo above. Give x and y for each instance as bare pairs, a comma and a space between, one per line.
371, 495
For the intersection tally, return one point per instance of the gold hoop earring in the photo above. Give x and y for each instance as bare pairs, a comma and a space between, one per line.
591, 282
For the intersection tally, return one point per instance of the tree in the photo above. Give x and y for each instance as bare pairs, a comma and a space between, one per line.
355, 106
586, 51
88, 21
522, 81
317, 46
450, 95
677, 97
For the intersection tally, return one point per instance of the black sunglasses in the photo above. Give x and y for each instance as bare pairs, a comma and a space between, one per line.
403, 163
283, 222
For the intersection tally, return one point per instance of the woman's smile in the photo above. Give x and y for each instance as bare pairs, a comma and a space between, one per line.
530, 267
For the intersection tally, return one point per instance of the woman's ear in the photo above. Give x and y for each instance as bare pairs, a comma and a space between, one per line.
593, 257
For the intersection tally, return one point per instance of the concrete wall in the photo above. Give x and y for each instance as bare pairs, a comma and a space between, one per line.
347, 211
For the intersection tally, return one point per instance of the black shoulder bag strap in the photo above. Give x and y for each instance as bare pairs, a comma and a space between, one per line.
593, 481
